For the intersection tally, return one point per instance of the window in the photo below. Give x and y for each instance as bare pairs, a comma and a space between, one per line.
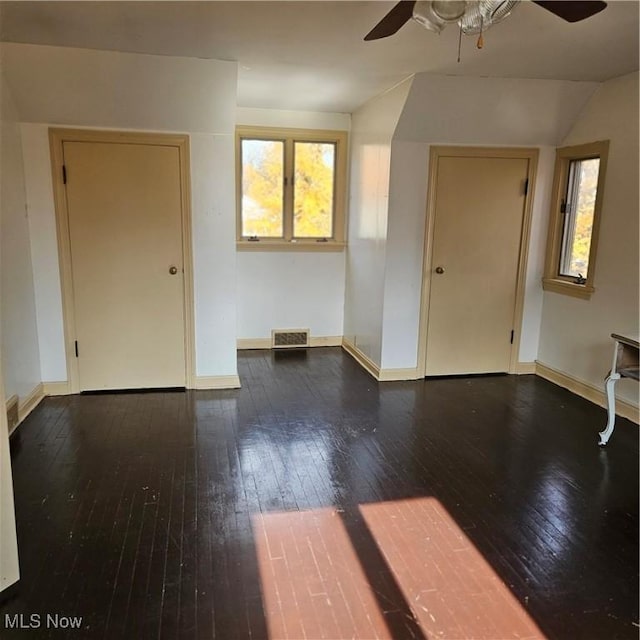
578, 189
290, 188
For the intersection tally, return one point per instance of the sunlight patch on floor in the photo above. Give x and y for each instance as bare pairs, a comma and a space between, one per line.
312, 583
449, 586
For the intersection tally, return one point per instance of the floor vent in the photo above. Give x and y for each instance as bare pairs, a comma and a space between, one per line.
12, 413
289, 338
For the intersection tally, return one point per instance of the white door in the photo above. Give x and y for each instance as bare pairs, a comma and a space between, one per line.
479, 209
125, 232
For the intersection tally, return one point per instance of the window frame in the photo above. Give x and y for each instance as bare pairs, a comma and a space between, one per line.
290, 136
553, 280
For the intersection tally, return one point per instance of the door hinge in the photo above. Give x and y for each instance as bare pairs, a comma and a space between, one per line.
64, 174
526, 186
563, 207
511, 337
76, 348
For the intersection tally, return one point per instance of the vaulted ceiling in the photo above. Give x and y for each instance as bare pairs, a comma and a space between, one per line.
311, 55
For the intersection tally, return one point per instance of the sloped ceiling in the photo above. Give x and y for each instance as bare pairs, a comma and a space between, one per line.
311, 55
491, 111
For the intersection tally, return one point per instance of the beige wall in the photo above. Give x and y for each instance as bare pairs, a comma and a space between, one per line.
20, 354
575, 334
9, 570
13, 218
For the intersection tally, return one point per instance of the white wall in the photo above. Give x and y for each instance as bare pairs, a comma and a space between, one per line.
214, 254
405, 242
109, 89
533, 294
575, 335
466, 111
44, 251
82, 88
491, 111
20, 356
290, 289
293, 119
372, 128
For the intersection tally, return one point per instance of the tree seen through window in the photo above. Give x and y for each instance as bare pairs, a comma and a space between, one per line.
265, 197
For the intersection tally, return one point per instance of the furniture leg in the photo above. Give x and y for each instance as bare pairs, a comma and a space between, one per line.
611, 408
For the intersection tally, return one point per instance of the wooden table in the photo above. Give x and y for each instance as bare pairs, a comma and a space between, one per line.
625, 365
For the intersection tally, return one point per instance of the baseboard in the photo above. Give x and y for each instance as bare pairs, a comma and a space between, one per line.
24, 406
13, 417
326, 341
381, 375
56, 388
389, 375
522, 368
586, 390
265, 343
31, 401
363, 360
27, 404
216, 382
253, 343
525, 368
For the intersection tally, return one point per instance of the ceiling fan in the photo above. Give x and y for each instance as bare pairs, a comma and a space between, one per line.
473, 16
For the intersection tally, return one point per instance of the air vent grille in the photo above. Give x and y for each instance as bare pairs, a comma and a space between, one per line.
289, 338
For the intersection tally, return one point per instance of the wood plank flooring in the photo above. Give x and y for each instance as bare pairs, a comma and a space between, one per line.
315, 502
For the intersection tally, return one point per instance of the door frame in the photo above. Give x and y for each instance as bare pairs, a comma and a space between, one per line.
9, 558
57, 137
435, 153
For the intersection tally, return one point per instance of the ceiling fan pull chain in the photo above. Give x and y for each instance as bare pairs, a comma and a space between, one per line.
459, 43
480, 42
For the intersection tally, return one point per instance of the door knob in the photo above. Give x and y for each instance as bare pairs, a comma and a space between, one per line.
439, 269
173, 270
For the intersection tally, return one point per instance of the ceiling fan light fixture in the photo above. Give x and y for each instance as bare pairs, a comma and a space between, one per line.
424, 14
449, 10
473, 16
482, 14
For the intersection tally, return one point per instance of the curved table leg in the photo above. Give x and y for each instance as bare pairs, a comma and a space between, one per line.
611, 408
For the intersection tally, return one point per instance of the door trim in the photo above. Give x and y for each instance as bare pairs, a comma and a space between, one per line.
9, 560
435, 153
57, 137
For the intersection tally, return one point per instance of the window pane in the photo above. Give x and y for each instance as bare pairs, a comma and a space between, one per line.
582, 186
313, 189
262, 188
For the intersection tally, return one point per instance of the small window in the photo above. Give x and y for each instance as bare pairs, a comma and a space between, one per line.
291, 188
575, 218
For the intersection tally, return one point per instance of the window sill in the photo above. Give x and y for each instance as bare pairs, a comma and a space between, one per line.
283, 245
568, 288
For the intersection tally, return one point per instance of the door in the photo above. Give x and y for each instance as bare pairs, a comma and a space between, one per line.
125, 234
479, 209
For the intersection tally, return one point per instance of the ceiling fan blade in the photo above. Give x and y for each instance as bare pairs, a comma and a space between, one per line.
572, 10
396, 18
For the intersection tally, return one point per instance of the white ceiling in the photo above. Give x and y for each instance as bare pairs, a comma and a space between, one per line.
311, 55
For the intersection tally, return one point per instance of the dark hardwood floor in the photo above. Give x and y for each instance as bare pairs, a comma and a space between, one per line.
173, 515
